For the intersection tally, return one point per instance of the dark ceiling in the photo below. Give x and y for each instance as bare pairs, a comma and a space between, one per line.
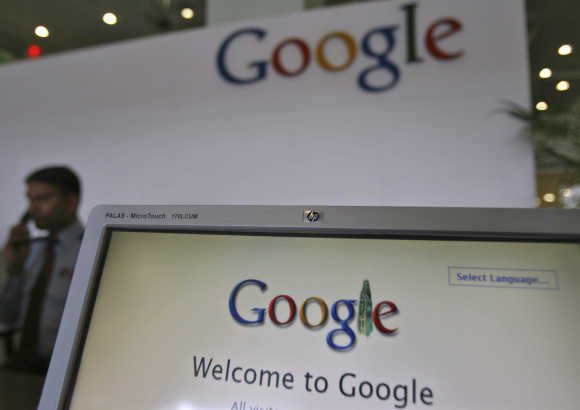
75, 24
551, 24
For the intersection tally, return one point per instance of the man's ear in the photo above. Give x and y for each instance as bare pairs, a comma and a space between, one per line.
72, 202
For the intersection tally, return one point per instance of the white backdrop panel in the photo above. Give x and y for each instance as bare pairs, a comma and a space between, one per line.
152, 121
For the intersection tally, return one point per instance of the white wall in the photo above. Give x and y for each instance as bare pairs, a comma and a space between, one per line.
152, 121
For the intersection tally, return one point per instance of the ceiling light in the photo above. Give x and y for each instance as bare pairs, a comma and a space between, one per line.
187, 13
549, 197
567, 192
562, 86
110, 19
565, 49
545, 73
41, 31
542, 106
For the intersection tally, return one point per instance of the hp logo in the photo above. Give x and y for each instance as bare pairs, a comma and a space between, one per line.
311, 216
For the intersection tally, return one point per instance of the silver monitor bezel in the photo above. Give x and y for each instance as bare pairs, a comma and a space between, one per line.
395, 222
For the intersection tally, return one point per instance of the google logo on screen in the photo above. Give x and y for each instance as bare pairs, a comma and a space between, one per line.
367, 315
257, 70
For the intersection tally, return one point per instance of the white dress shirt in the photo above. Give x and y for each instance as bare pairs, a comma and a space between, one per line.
15, 295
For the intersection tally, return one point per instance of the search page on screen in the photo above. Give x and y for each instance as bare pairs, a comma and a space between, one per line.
218, 321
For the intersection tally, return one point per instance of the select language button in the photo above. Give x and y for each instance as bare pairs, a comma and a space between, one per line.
503, 277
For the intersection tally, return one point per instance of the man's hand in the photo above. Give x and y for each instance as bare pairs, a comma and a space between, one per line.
16, 249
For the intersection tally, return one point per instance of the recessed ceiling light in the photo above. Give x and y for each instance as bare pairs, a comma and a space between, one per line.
110, 18
541, 106
563, 86
41, 31
567, 192
545, 73
187, 13
565, 49
549, 197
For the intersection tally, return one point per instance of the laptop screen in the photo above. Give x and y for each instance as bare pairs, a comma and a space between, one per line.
266, 319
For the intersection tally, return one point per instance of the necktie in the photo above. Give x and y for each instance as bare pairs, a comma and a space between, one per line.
29, 340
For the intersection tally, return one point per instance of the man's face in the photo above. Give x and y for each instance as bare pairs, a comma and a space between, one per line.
49, 208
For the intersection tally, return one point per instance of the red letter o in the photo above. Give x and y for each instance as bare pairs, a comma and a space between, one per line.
272, 309
305, 51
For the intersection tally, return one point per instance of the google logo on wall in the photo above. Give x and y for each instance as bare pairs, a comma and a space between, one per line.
367, 314
257, 71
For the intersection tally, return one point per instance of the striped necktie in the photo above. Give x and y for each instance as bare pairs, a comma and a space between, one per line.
30, 330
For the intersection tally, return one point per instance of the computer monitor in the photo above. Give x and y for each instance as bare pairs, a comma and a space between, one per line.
272, 307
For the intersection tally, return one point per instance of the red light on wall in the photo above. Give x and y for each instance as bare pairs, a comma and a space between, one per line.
33, 51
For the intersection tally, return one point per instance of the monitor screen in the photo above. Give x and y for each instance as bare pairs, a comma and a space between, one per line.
233, 319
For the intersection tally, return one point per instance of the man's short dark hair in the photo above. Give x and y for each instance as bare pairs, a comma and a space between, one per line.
62, 178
